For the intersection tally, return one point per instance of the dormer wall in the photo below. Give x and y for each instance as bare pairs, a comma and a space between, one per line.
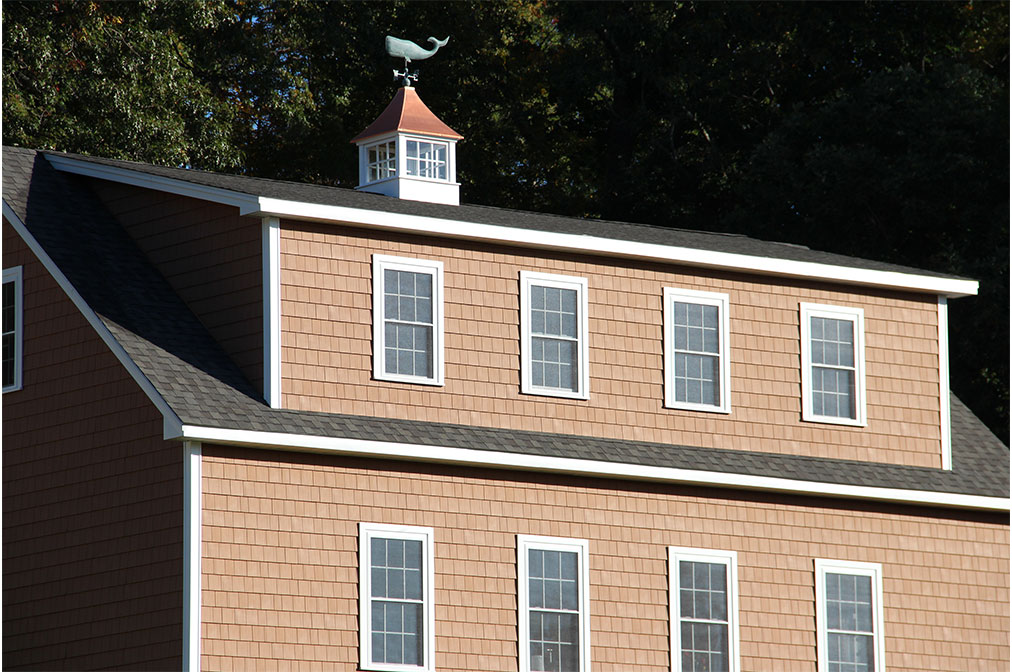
209, 254
327, 308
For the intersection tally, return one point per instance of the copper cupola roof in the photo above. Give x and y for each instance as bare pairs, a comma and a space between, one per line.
407, 112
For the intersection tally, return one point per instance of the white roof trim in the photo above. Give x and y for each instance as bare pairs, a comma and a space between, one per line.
261, 206
594, 468
171, 422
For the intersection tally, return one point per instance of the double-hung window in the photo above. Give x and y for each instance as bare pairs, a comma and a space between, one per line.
407, 320
848, 600
704, 610
12, 329
832, 364
554, 604
396, 617
553, 335
697, 370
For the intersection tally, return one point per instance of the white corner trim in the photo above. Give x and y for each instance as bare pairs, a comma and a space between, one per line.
944, 404
263, 206
172, 424
271, 282
192, 515
579, 467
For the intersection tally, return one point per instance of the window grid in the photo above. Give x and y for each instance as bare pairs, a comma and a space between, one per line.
697, 353
382, 161
832, 364
704, 607
553, 604
426, 159
849, 616
407, 320
833, 371
553, 327
554, 338
407, 299
696, 366
396, 617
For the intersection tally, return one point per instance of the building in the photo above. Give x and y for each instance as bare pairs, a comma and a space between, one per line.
252, 424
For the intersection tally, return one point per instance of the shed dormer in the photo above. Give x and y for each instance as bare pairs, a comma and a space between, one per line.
409, 153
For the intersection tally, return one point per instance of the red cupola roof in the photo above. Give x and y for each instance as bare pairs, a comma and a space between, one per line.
407, 112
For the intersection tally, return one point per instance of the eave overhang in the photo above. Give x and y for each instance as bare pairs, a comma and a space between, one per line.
259, 206
582, 467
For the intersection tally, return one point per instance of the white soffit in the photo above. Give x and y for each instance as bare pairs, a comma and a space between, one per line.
260, 206
580, 467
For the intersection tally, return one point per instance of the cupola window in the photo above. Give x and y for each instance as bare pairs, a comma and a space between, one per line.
382, 161
426, 159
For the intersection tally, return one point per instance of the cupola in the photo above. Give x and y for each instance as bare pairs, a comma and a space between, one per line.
409, 153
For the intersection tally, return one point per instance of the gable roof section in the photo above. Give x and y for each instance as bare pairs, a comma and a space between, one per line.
208, 399
258, 196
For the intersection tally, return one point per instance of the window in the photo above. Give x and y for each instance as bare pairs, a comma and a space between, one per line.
697, 371
848, 600
382, 161
407, 320
832, 364
426, 159
554, 604
396, 620
12, 329
704, 610
553, 335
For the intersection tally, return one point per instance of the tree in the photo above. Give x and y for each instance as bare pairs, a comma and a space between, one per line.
780, 120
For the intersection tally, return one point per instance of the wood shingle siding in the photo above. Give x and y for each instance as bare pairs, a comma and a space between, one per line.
92, 563
327, 348
280, 564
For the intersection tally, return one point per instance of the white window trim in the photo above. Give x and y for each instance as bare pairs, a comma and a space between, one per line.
722, 302
366, 532
730, 560
871, 569
581, 547
381, 263
363, 168
15, 275
528, 279
856, 316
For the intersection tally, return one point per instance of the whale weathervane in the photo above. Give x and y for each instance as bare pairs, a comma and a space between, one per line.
410, 51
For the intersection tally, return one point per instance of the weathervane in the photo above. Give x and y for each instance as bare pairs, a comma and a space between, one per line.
410, 51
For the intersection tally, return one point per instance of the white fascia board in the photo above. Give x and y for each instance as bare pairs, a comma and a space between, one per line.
578, 467
172, 426
245, 202
617, 248
273, 207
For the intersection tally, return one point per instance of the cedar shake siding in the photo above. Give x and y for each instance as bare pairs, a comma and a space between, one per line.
326, 309
92, 510
280, 564
211, 257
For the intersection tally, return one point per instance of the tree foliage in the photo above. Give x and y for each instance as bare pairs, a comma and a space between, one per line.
873, 129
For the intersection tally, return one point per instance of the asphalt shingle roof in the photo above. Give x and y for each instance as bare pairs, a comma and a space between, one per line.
205, 388
478, 214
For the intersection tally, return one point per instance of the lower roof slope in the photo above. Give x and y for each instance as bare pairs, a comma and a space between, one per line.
204, 388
